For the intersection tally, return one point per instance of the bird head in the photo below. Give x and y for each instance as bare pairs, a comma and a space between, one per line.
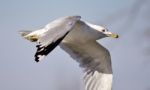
103, 32
107, 33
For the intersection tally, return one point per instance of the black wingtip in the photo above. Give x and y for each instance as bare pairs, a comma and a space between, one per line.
37, 60
43, 51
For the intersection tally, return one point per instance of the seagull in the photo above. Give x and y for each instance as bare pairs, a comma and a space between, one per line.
78, 39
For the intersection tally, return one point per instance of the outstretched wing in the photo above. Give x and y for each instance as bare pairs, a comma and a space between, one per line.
95, 60
53, 35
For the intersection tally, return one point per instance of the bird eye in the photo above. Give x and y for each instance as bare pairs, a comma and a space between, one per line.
103, 30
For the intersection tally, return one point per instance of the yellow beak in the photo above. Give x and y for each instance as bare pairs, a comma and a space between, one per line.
114, 35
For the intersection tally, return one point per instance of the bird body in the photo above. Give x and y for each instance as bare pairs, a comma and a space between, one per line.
78, 39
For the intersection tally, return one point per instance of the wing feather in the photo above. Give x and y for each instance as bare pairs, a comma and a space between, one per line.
53, 34
95, 60
43, 51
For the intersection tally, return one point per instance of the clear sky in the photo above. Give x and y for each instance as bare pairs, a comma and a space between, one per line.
19, 71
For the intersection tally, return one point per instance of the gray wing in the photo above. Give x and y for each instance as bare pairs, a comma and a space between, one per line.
95, 60
53, 35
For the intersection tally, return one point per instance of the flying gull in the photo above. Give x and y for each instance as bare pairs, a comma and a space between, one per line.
78, 39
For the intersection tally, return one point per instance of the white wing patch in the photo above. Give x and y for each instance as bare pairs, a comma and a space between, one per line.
98, 81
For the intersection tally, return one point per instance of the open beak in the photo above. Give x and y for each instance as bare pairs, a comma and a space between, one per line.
109, 34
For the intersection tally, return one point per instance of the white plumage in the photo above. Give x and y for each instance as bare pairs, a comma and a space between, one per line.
78, 39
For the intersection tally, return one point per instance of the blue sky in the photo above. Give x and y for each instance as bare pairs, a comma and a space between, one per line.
18, 71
